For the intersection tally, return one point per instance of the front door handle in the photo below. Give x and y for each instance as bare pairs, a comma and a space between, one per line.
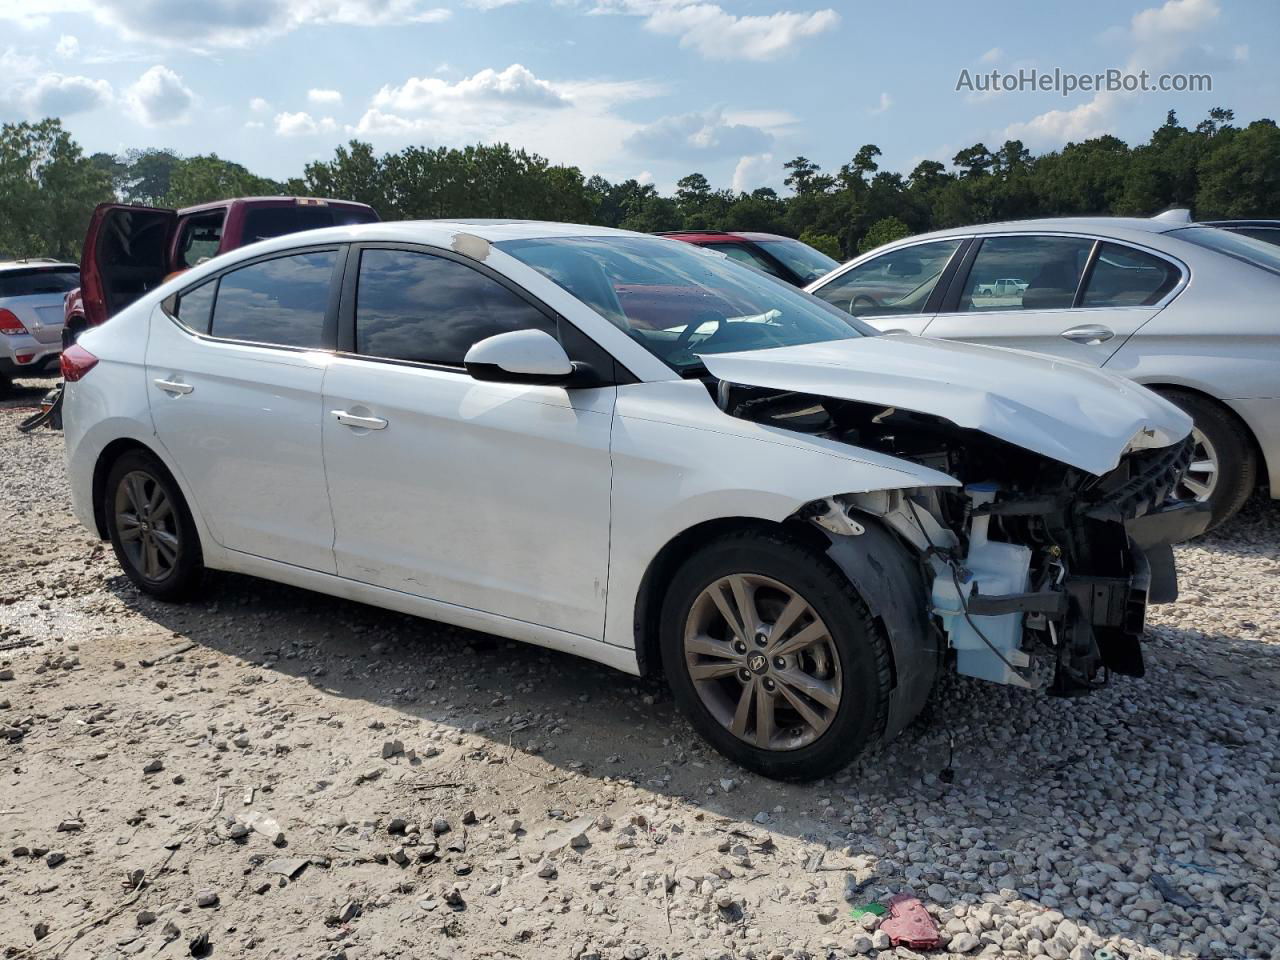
1089, 333
174, 388
363, 423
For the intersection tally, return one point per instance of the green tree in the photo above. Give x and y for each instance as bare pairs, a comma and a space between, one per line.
204, 179
883, 231
1240, 175
48, 188
146, 175
827, 243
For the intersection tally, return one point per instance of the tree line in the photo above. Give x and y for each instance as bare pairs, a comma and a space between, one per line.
1219, 169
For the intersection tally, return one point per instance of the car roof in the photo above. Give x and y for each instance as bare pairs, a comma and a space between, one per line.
1240, 223
37, 263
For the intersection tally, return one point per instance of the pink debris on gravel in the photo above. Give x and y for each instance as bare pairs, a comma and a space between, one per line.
909, 924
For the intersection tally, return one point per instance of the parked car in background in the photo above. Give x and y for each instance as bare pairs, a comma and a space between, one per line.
787, 515
787, 259
31, 295
129, 250
1186, 309
1267, 231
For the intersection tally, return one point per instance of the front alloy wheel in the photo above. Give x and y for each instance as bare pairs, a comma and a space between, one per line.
763, 662
1201, 478
773, 656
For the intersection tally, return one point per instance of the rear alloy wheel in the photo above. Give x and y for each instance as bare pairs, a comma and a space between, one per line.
150, 527
1224, 465
772, 655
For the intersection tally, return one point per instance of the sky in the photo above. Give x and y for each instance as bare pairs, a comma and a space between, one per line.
652, 89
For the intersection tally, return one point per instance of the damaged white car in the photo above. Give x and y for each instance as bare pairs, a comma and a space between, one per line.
640, 452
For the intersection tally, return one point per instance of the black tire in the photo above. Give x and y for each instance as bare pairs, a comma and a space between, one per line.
176, 579
1237, 472
861, 650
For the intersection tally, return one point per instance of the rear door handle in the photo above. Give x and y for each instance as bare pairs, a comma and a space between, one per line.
364, 423
1090, 333
174, 388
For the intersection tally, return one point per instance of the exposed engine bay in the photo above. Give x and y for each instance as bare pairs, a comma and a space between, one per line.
1038, 573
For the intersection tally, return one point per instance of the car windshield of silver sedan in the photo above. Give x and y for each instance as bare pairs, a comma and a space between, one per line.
679, 301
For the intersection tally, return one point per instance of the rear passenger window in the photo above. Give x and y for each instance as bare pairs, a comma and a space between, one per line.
281, 301
1026, 273
196, 305
415, 306
1124, 277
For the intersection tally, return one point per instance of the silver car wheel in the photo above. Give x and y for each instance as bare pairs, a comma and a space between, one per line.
147, 525
763, 662
1202, 475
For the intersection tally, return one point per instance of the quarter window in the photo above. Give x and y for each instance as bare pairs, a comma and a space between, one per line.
898, 282
281, 301
415, 306
195, 306
1124, 277
1026, 273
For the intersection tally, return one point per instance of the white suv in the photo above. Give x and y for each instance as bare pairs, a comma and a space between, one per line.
1185, 309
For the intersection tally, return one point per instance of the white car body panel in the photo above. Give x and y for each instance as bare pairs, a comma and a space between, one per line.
1215, 333
1066, 411
493, 496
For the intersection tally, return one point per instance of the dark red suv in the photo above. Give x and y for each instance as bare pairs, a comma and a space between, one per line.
129, 250
797, 263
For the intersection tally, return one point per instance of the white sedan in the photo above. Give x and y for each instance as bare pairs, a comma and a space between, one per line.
640, 452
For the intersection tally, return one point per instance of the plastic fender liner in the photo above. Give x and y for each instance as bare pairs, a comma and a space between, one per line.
888, 578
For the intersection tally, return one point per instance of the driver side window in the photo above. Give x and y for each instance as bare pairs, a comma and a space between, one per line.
897, 282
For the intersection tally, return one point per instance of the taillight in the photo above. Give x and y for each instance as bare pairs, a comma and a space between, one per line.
10, 324
76, 362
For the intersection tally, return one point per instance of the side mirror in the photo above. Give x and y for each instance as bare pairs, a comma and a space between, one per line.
521, 356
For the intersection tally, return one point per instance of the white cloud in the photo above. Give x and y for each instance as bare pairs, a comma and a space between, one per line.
68, 47
643, 177
992, 55
221, 23
514, 85
259, 105
490, 4
753, 172
1241, 53
160, 97
883, 106
1158, 36
302, 124
696, 136
54, 95
324, 96
568, 122
719, 35
254, 125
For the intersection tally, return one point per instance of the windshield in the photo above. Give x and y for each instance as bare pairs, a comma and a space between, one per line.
800, 258
1253, 251
678, 300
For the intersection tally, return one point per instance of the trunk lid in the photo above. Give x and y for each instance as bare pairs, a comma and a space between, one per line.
1060, 409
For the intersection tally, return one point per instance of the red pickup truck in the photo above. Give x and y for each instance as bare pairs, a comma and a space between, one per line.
129, 250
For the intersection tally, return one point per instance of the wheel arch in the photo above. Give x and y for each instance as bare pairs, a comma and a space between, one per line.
885, 572
1164, 386
112, 452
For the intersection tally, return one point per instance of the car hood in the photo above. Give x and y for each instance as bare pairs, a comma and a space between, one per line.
1058, 408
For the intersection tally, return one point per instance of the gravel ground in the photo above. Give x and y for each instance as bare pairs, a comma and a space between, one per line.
320, 779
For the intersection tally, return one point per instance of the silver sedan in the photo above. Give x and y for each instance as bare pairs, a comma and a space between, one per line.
31, 295
1186, 309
